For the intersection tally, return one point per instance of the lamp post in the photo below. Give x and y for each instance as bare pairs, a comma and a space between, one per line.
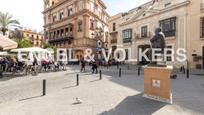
98, 35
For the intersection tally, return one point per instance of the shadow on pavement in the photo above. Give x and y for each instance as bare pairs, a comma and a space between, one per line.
94, 80
135, 105
69, 87
30, 98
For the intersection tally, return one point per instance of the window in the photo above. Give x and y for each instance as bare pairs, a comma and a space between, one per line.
80, 5
61, 14
168, 26
80, 26
144, 31
92, 6
37, 43
53, 3
54, 18
169, 58
127, 35
114, 26
99, 12
202, 27
92, 24
70, 10
127, 54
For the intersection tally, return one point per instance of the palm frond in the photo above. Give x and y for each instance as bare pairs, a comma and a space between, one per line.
6, 21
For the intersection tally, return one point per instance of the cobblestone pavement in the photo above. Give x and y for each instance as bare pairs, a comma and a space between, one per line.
110, 96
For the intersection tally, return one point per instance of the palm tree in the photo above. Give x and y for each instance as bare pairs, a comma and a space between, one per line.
6, 21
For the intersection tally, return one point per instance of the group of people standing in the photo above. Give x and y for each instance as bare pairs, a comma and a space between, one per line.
93, 64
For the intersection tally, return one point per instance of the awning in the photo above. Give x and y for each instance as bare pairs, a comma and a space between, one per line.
3, 53
6, 43
31, 49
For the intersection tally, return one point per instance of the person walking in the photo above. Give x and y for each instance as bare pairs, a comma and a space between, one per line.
94, 67
35, 66
83, 64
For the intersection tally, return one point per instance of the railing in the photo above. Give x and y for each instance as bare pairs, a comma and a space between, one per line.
148, 36
61, 37
127, 40
114, 41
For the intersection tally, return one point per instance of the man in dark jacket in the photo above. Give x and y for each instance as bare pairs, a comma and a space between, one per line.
94, 67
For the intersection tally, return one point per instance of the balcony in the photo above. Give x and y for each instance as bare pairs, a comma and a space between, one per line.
61, 38
145, 36
202, 7
127, 40
113, 32
114, 41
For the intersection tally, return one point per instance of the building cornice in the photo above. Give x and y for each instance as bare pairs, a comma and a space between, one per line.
176, 6
54, 6
83, 12
102, 4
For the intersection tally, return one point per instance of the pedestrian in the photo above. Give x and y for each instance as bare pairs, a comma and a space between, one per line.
35, 66
83, 64
94, 67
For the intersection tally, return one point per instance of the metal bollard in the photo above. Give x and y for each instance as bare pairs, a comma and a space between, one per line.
187, 73
100, 75
120, 71
44, 87
139, 68
1, 74
77, 80
128, 67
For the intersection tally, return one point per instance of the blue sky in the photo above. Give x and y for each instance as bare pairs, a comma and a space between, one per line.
116, 6
29, 12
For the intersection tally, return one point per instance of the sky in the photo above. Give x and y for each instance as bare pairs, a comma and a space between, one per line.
29, 12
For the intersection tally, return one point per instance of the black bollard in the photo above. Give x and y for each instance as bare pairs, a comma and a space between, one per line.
44, 87
128, 67
139, 68
187, 70
1, 74
120, 71
100, 75
77, 80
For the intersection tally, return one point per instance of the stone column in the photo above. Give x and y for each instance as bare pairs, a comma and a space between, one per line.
86, 27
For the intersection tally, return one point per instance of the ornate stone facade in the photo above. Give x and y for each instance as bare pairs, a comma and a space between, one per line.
72, 23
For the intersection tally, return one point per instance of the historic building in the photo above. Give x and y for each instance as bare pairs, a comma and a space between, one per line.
114, 22
36, 39
181, 21
195, 33
75, 24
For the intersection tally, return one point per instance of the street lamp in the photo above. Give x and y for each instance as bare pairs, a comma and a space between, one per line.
98, 35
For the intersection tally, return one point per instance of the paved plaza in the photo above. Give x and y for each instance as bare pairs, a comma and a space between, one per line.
110, 96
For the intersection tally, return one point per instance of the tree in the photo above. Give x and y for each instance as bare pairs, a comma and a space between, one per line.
22, 43
15, 34
46, 46
6, 21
